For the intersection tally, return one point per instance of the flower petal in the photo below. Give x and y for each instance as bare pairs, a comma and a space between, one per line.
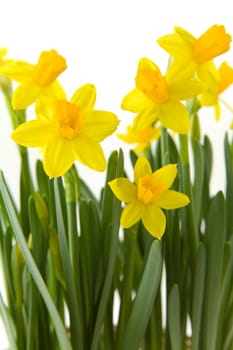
175, 45
99, 124
135, 101
172, 200
166, 175
84, 96
44, 108
142, 168
34, 133
184, 90
25, 94
56, 90
89, 153
123, 189
131, 214
58, 157
17, 70
174, 115
181, 69
154, 220
146, 117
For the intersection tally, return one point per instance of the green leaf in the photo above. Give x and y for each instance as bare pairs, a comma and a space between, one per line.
76, 326
215, 240
144, 300
198, 179
13, 221
174, 323
198, 297
8, 324
111, 217
229, 186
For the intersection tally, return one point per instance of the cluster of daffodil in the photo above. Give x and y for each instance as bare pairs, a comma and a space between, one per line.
62, 253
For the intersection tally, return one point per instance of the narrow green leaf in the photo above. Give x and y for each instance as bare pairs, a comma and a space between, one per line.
174, 322
215, 240
13, 221
229, 186
144, 300
8, 324
198, 297
111, 227
76, 326
198, 179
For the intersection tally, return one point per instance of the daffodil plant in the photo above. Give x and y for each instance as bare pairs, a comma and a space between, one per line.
83, 272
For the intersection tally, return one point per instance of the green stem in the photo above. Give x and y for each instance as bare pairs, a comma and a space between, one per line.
165, 156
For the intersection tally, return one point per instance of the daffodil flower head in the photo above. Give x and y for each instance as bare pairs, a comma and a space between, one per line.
147, 196
216, 84
66, 131
141, 137
35, 81
158, 96
193, 55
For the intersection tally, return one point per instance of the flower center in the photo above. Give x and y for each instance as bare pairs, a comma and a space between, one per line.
68, 119
49, 66
149, 190
212, 43
152, 84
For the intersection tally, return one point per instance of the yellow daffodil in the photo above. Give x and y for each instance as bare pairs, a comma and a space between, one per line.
68, 131
147, 195
157, 96
35, 80
195, 54
142, 138
215, 86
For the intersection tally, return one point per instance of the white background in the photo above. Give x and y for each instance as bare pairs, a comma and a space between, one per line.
102, 42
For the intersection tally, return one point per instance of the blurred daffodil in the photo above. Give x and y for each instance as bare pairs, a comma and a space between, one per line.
157, 96
147, 195
35, 80
68, 131
215, 86
195, 54
141, 138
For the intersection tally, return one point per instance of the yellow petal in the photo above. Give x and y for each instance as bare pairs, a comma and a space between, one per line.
146, 117
17, 70
131, 214
44, 108
172, 200
184, 90
142, 168
123, 189
174, 116
175, 45
89, 153
135, 101
84, 96
99, 124
25, 94
58, 157
154, 220
166, 175
184, 34
55, 90
181, 69
34, 133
